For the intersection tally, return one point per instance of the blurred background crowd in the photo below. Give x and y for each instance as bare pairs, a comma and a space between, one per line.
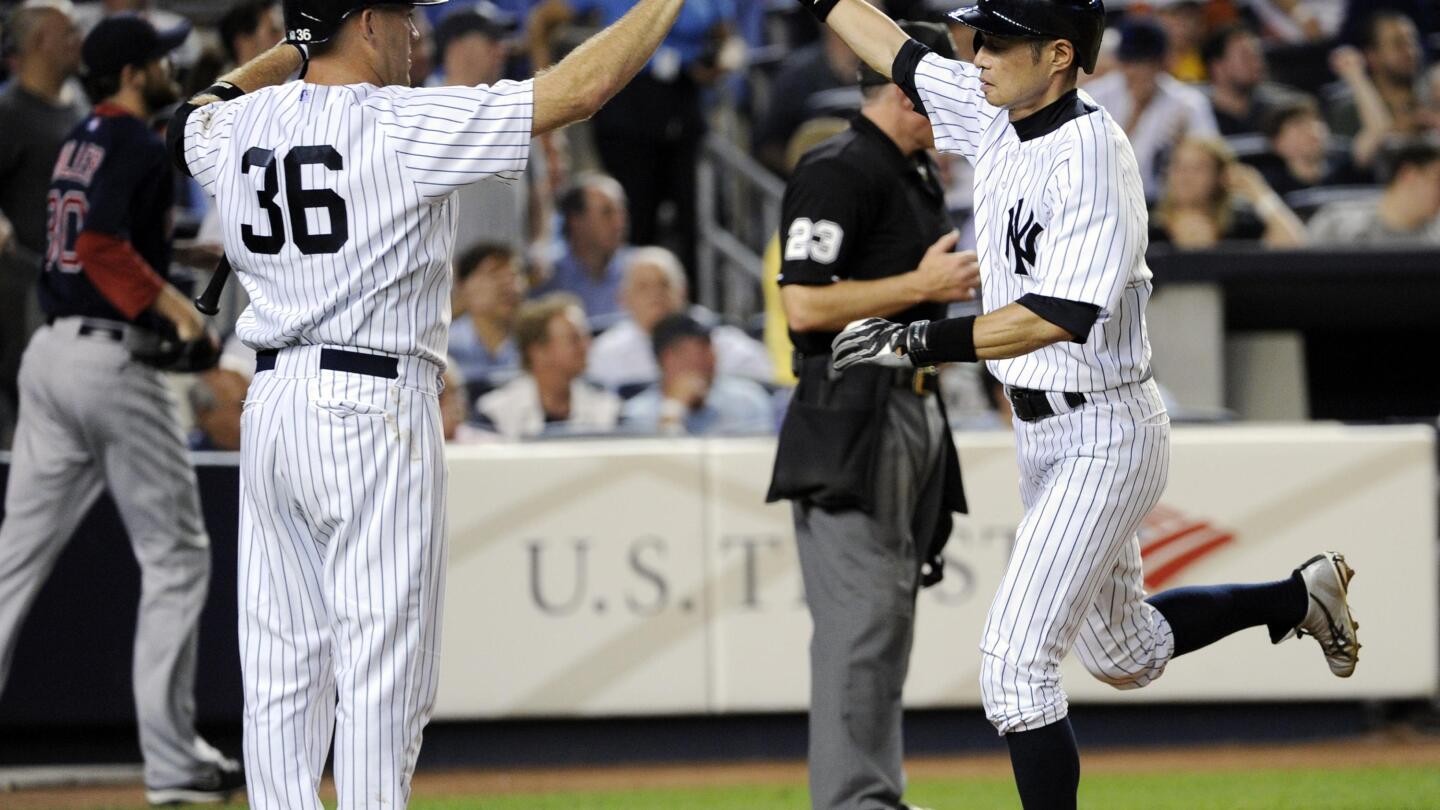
623, 285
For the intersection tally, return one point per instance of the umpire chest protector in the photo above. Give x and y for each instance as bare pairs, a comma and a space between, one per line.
856, 208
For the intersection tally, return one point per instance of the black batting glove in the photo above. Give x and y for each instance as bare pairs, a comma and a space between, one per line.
878, 342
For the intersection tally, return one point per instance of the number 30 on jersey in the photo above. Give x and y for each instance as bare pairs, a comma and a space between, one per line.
817, 241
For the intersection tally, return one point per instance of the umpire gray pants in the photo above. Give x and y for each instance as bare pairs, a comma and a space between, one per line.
90, 418
861, 573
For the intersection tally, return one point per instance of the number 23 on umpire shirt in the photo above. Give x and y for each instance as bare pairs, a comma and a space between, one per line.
856, 208
1060, 222
347, 212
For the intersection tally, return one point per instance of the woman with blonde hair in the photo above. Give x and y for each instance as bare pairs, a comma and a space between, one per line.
1211, 197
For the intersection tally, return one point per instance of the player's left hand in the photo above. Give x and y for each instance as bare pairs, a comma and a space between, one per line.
874, 341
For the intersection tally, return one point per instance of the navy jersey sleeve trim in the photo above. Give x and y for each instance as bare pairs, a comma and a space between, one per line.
1075, 317
902, 72
175, 130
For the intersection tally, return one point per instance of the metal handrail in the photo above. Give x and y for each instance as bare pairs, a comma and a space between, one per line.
737, 210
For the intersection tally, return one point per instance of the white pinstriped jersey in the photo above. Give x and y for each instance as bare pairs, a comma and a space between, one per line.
1059, 215
337, 203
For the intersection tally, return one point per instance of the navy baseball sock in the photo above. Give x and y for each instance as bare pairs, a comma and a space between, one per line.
1047, 766
1205, 614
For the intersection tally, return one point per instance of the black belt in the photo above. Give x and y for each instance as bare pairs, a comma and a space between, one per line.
916, 381
1030, 405
114, 333
375, 365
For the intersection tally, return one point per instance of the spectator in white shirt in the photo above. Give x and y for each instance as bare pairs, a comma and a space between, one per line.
652, 287
550, 397
1154, 108
1408, 212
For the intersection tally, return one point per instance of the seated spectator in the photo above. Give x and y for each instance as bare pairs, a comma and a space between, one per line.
690, 397
1152, 107
1408, 212
472, 49
550, 397
454, 411
1300, 153
216, 400
1239, 94
1392, 62
816, 81
482, 339
623, 358
594, 220
1185, 26
1210, 197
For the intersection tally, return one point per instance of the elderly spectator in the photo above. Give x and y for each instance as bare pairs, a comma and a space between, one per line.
1239, 94
1300, 153
550, 397
1210, 197
649, 136
816, 81
216, 400
489, 290
1155, 110
36, 116
654, 287
595, 220
1408, 212
250, 28
690, 397
1394, 61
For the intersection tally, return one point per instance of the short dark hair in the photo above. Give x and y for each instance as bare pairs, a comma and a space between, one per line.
573, 200
1214, 47
473, 257
674, 328
240, 20
1416, 152
1370, 30
1287, 111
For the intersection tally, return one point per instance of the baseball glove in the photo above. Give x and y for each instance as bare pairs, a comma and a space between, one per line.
168, 352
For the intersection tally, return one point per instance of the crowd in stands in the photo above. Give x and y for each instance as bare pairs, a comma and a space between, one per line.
1282, 122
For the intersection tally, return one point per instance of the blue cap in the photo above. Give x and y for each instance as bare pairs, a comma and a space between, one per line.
126, 39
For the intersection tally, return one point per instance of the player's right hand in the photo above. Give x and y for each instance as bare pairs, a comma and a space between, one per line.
945, 276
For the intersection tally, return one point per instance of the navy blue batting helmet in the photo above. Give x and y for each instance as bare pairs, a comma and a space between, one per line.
1080, 21
311, 21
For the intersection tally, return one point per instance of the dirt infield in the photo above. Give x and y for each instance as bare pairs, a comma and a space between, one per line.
1399, 750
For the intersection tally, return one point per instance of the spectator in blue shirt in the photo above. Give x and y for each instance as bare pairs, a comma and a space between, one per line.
649, 135
594, 220
690, 397
482, 336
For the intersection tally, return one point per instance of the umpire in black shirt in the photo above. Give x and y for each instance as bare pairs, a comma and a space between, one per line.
866, 456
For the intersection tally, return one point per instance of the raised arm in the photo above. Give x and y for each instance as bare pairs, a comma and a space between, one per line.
594, 72
873, 36
266, 70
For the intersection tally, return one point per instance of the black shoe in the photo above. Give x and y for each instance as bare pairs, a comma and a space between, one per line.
215, 787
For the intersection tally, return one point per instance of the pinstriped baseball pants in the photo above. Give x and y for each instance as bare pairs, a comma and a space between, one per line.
1088, 476
342, 554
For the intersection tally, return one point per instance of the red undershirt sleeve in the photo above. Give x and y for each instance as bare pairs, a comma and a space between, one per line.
118, 271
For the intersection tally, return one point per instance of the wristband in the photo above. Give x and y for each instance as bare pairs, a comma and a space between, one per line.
225, 91
951, 340
820, 9
304, 57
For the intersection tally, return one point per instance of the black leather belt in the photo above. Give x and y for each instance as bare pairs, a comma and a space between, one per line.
1030, 405
114, 333
375, 365
916, 381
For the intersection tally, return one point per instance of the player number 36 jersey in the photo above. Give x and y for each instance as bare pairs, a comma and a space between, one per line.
337, 203
1059, 213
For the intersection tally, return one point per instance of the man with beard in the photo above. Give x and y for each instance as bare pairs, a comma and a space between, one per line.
92, 418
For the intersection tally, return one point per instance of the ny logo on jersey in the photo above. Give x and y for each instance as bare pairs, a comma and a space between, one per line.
1021, 239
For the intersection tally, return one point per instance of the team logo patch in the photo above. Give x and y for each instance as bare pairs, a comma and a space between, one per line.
1020, 239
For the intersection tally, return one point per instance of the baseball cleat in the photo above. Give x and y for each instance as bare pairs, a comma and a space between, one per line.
215, 787
1329, 620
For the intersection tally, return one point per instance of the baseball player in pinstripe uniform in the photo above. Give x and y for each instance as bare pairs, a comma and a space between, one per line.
1061, 235
336, 197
